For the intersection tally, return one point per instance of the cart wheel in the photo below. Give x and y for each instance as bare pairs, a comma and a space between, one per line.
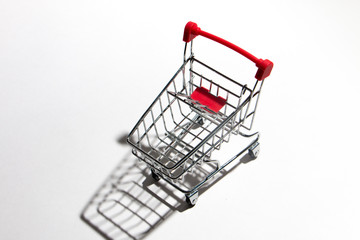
192, 198
155, 176
254, 150
200, 120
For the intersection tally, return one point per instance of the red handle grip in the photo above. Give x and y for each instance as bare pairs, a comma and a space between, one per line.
264, 66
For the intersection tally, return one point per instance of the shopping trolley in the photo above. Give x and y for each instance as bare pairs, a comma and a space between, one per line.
196, 112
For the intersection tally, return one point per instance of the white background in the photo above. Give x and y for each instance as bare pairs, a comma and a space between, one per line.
76, 75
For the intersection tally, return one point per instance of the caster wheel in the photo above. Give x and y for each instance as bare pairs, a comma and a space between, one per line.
155, 176
192, 198
254, 150
200, 121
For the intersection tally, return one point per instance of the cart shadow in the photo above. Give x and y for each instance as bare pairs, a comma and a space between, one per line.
130, 204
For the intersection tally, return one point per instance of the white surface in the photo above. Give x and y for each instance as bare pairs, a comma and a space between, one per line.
76, 75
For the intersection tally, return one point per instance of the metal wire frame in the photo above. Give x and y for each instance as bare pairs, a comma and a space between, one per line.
170, 154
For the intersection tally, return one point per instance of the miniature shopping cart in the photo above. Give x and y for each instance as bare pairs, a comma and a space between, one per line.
197, 111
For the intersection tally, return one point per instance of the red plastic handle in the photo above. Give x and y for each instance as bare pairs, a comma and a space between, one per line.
264, 66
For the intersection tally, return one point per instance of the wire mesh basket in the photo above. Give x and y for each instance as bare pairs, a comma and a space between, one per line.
198, 110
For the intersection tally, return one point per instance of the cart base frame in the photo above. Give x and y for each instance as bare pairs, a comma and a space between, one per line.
192, 195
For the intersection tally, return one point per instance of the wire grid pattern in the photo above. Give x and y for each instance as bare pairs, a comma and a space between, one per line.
128, 205
177, 133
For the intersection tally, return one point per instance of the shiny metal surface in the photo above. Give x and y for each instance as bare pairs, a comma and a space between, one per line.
177, 135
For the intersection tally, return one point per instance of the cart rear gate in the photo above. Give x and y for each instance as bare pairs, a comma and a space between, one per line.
196, 112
